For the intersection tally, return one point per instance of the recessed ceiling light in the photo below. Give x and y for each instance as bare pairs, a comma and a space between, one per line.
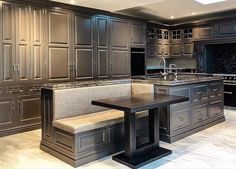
194, 13
172, 17
205, 2
72, 1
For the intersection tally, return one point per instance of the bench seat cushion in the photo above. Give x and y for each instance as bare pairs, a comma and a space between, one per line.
92, 121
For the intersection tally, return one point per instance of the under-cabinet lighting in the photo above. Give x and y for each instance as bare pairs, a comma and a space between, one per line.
206, 2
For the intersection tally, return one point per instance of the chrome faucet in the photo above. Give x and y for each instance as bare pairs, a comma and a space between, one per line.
164, 67
176, 71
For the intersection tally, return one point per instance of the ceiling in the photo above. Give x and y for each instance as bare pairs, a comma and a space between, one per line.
156, 10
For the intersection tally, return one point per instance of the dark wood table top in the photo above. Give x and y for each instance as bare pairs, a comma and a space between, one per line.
139, 102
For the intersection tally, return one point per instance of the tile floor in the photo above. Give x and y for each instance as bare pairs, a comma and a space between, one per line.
214, 147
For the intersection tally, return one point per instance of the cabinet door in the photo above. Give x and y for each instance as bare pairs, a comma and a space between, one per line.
159, 49
102, 48
23, 43
59, 56
204, 32
120, 52
119, 34
37, 20
121, 63
138, 34
84, 63
7, 46
84, 52
7, 113
29, 107
176, 50
166, 49
226, 29
187, 49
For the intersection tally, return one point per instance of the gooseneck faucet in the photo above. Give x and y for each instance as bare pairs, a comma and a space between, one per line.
164, 67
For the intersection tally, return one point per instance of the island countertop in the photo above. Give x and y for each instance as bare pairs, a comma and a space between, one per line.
172, 80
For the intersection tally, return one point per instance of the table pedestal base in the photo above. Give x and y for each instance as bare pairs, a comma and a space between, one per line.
142, 158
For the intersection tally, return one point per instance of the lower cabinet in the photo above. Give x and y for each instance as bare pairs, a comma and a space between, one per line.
204, 109
7, 109
199, 114
180, 118
19, 112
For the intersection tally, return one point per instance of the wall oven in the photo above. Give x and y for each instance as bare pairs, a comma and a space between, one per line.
230, 90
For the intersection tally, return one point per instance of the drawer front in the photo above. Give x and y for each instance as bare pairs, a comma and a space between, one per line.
116, 133
199, 114
180, 119
92, 140
215, 89
199, 95
216, 108
181, 92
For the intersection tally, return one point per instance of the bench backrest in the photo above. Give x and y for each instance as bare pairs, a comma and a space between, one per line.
77, 101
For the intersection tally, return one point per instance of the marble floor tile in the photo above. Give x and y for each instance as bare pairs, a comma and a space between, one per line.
214, 147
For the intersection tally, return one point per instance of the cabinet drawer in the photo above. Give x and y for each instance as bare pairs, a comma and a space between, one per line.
185, 91
215, 89
92, 140
180, 119
216, 108
199, 114
199, 95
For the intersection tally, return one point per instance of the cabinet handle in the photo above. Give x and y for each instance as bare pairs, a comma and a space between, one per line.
18, 68
14, 67
228, 92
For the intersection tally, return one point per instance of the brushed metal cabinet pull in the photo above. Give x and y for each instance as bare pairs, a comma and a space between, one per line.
14, 67
18, 68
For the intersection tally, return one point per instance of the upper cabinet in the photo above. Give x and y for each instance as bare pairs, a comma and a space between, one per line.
204, 32
102, 47
158, 42
22, 43
84, 46
119, 41
138, 32
182, 42
59, 48
225, 29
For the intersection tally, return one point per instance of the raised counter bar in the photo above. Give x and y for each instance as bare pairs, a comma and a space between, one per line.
203, 110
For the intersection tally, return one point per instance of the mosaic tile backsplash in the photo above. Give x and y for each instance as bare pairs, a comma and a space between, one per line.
224, 58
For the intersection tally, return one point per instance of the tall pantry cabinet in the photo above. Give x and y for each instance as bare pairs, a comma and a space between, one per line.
22, 66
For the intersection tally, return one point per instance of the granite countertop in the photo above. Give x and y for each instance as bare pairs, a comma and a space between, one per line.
80, 84
171, 80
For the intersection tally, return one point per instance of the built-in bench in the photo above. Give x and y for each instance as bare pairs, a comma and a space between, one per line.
78, 132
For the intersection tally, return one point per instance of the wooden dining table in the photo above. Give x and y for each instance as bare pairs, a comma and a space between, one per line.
136, 156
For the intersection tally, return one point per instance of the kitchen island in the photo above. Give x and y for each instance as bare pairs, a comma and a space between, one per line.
204, 109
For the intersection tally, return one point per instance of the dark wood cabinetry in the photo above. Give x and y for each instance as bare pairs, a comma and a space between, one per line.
102, 47
158, 42
204, 108
7, 46
84, 46
204, 32
59, 49
120, 56
225, 29
138, 32
182, 42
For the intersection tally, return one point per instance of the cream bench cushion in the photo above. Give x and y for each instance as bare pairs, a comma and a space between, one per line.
92, 121
77, 101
